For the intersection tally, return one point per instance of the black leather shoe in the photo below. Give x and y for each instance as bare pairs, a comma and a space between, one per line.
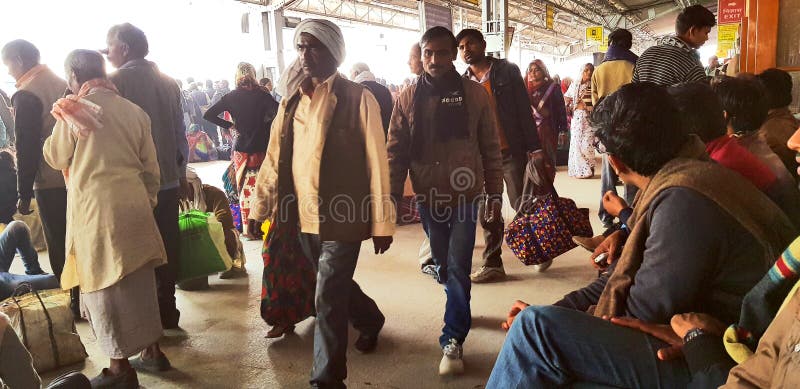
366, 343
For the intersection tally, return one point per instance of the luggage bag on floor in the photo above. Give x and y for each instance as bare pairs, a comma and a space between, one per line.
545, 224
202, 242
44, 322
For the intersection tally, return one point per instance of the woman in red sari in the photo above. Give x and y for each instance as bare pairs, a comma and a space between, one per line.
252, 109
547, 105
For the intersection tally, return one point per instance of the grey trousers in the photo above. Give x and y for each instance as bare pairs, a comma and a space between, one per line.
514, 178
337, 299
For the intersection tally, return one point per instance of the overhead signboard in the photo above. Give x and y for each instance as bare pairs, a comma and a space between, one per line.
730, 11
603, 46
594, 34
550, 15
435, 15
726, 39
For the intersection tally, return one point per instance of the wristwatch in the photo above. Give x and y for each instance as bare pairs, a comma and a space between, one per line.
693, 333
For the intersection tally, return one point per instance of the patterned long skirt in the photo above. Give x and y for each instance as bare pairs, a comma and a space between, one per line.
247, 167
289, 280
581, 146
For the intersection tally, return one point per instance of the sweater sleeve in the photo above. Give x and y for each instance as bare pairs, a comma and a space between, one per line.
708, 361
677, 261
212, 115
28, 118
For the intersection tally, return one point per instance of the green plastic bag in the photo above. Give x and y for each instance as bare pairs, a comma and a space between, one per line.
202, 242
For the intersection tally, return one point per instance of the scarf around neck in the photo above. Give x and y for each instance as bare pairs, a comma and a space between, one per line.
692, 169
450, 116
30, 75
82, 115
616, 53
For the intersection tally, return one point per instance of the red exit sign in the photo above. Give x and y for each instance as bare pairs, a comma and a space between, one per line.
730, 11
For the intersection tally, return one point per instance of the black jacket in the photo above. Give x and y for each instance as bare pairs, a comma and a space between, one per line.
384, 98
249, 110
513, 107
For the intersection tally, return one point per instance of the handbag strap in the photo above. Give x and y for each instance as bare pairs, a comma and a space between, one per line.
546, 95
50, 331
534, 187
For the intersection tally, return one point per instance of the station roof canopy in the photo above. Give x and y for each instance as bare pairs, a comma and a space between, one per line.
646, 19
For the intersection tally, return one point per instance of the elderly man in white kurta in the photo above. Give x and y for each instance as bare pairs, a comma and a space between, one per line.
102, 143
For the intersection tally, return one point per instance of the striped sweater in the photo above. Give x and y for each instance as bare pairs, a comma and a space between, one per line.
670, 62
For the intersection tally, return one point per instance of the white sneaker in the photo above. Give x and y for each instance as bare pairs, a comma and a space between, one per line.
452, 362
544, 266
488, 274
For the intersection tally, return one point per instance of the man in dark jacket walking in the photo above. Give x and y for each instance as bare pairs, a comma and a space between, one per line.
443, 133
519, 140
140, 81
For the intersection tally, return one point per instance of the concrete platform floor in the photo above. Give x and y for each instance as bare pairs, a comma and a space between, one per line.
222, 343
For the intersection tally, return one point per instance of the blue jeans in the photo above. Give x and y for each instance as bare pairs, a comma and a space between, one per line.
608, 181
16, 237
452, 236
337, 299
551, 347
9, 282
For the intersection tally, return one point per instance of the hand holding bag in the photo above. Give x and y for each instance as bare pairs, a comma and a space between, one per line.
545, 223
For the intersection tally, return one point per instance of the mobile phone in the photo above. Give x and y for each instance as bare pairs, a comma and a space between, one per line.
600, 260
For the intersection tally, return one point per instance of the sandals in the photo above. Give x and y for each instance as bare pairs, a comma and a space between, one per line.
279, 330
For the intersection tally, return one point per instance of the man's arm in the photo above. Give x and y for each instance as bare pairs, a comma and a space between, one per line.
489, 147
758, 370
708, 361
179, 127
212, 115
523, 109
28, 120
678, 262
595, 95
398, 148
263, 203
381, 205
696, 73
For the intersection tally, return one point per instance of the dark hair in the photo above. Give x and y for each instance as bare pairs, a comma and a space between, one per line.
23, 49
621, 38
471, 33
639, 124
133, 37
437, 33
694, 16
700, 110
744, 102
87, 65
778, 86
264, 81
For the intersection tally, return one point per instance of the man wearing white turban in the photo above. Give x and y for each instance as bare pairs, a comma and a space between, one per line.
336, 189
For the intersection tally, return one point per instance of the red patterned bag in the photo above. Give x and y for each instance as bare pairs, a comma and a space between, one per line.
545, 223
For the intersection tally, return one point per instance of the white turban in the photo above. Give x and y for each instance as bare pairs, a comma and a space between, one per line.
199, 200
326, 32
